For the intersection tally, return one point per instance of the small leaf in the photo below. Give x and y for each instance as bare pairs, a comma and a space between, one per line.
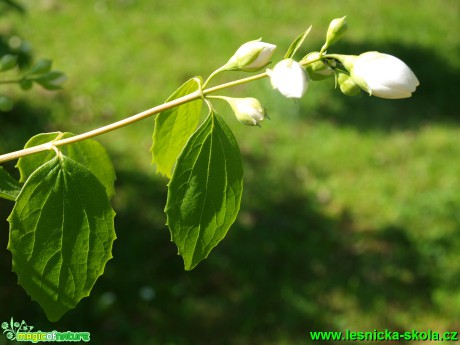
204, 193
52, 80
296, 44
6, 104
8, 62
9, 187
61, 234
12, 4
41, 66
87, 152
26, 84
173, 127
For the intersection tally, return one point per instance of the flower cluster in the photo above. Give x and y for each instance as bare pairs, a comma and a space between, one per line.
380, 75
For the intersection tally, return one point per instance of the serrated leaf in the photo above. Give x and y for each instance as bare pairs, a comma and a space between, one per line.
204, 193
296, 44
6, 104
9, 187
173, 127
8, 62
87, 152
61, 234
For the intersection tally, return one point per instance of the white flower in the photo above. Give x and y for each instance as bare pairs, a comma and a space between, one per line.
383, 75
289, 78
247, 110
251, 56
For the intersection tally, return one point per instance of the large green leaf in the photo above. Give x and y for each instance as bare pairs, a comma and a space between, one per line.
9, 187
88, 152
173, 127
61, 234
204, 193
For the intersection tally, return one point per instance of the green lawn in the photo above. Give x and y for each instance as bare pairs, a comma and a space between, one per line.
350, 212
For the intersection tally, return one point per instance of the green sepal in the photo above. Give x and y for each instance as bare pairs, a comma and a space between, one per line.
347, 84
318, 70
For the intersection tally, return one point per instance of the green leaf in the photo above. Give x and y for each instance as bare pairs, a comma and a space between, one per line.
173, 128
61, 234
12, 4
52, 80
26, 84
41, 66
204, 193
8, 62
87, 152
6, 104
9, 187
296, 44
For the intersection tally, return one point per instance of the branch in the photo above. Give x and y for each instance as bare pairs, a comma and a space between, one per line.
134, 118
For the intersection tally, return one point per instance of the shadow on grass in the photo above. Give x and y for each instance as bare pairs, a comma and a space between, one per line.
434, 100
284, 269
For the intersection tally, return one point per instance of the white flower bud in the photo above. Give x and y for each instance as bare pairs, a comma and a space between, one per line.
289, 78
251, 57
247, 110
381, 75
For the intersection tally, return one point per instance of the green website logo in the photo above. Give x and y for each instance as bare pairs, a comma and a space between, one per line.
23, 332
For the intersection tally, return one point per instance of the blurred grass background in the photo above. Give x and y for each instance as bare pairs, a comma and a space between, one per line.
350, 211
